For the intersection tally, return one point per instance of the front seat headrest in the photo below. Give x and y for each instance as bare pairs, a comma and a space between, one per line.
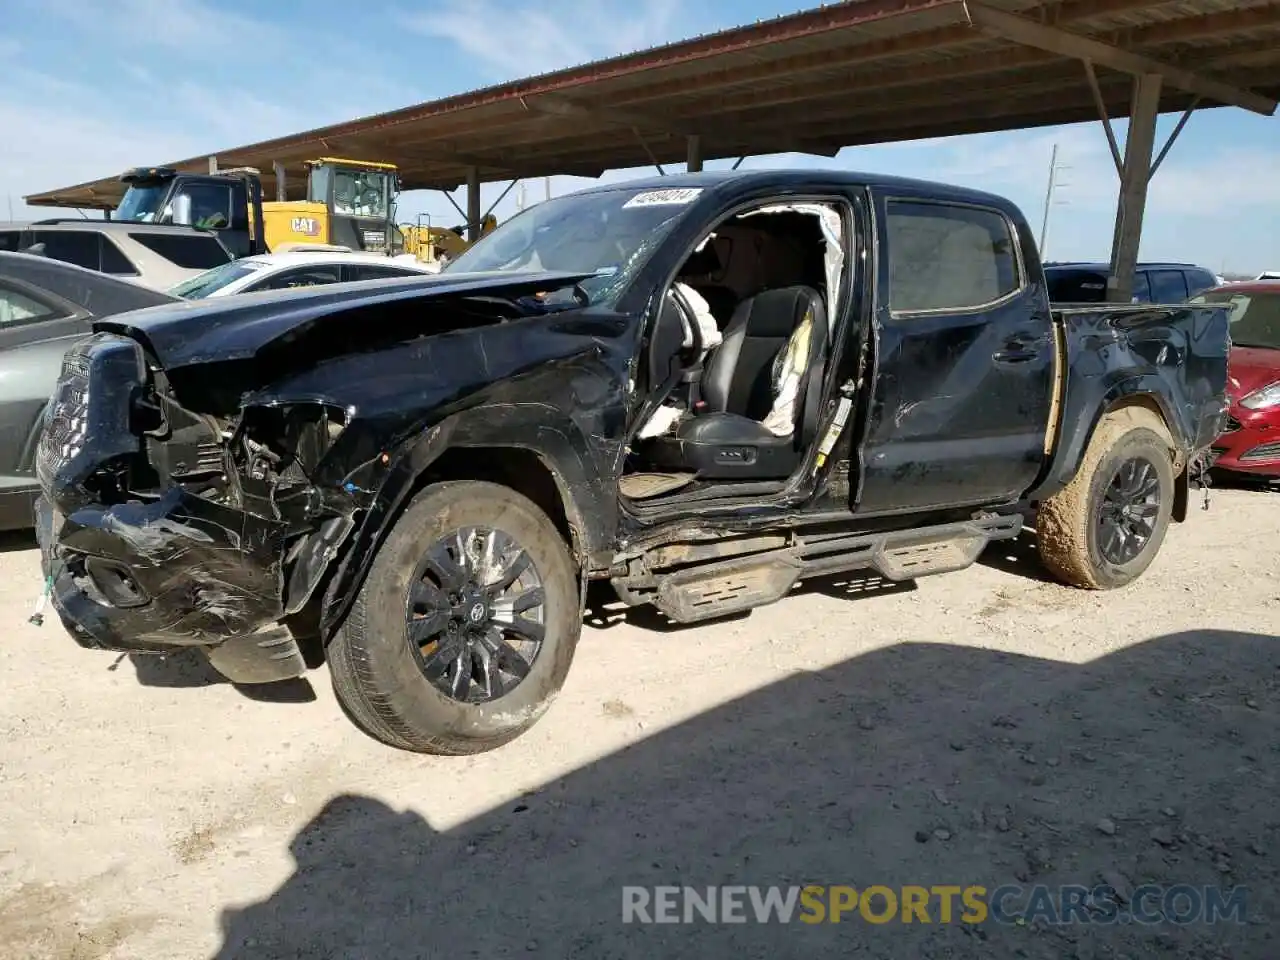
702, 263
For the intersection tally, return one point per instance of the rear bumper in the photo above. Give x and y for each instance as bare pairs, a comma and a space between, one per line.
179, 572
1250, 445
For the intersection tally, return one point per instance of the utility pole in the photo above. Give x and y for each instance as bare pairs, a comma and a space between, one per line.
1054, 167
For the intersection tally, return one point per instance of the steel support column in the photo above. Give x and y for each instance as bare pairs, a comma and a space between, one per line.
282, 190
1134, 178
693, 148
473, 204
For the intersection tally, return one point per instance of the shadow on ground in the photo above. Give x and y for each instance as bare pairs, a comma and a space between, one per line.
190, 668
1244, 481
916, 764
1019, 557
15, 541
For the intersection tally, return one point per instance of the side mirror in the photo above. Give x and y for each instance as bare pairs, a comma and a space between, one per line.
181, 210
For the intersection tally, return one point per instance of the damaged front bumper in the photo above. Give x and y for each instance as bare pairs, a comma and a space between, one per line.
150, 572
177, 573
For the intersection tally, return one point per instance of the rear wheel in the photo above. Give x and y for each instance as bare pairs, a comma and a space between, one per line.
1106, 526
466, 625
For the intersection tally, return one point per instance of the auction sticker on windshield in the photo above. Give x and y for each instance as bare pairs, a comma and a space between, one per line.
663, 198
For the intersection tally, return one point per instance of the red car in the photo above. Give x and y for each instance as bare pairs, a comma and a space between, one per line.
1251, 443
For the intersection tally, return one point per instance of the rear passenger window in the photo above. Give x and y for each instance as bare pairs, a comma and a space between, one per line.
10, 240
947, 257
301, 277
362, 272
1167, 286
115, 262
187, 252
1141, 288
70, 246
18, 308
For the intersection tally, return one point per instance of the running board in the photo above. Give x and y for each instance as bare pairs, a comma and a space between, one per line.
722, 587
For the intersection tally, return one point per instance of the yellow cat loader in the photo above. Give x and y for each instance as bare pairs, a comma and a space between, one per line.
349, 203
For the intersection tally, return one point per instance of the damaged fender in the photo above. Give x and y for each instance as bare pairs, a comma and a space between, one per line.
589, 503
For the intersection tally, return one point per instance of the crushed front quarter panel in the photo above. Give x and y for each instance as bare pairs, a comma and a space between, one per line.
252, 543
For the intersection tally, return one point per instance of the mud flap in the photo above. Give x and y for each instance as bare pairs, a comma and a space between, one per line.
1181, 496
1197, 472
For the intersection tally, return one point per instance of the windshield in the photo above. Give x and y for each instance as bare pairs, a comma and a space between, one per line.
1255, 317
142, 202
608, 234
201, 285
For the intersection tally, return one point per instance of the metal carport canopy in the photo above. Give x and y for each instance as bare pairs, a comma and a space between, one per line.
860, 72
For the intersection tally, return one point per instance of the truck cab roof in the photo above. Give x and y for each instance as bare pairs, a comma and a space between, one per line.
782, 177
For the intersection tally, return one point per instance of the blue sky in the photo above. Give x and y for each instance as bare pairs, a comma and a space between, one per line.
92, 87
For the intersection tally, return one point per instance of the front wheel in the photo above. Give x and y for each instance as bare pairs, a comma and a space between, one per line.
1106, 526
466, 625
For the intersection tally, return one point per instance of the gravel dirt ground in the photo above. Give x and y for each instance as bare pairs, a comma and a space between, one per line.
985, 727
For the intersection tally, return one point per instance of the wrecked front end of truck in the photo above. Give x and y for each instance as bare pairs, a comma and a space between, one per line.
201, 471
162, 528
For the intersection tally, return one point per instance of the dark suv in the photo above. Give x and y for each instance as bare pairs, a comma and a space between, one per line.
1152, 282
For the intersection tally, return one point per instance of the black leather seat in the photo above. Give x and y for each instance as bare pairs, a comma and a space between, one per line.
724, 439
722, 302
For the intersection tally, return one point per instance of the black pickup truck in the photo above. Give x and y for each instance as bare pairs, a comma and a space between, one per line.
416, 479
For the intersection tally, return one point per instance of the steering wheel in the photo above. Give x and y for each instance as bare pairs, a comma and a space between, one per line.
691, 354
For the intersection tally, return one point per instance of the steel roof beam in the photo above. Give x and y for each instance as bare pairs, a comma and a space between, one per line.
1029, 33
638, 120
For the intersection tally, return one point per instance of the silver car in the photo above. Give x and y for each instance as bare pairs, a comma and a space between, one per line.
45, 306
147, 254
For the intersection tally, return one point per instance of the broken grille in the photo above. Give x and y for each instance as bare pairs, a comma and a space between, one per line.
67, 417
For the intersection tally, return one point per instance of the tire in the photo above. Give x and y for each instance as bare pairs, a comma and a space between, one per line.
1071, 533
381, 678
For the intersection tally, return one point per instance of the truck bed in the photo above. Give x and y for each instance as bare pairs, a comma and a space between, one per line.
1174, 353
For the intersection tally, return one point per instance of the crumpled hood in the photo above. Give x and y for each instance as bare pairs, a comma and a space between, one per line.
1250, 369
238, 326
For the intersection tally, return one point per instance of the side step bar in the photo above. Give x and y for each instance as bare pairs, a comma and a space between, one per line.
707, 588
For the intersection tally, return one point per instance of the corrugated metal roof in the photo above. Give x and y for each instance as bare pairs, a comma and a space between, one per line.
864, 71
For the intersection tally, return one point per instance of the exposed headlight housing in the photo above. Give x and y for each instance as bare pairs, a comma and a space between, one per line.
297, 434
1262, 398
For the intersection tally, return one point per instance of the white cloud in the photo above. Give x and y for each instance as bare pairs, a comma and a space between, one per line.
154, 107
1234, 181
511, 41
65, 145
191, 28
